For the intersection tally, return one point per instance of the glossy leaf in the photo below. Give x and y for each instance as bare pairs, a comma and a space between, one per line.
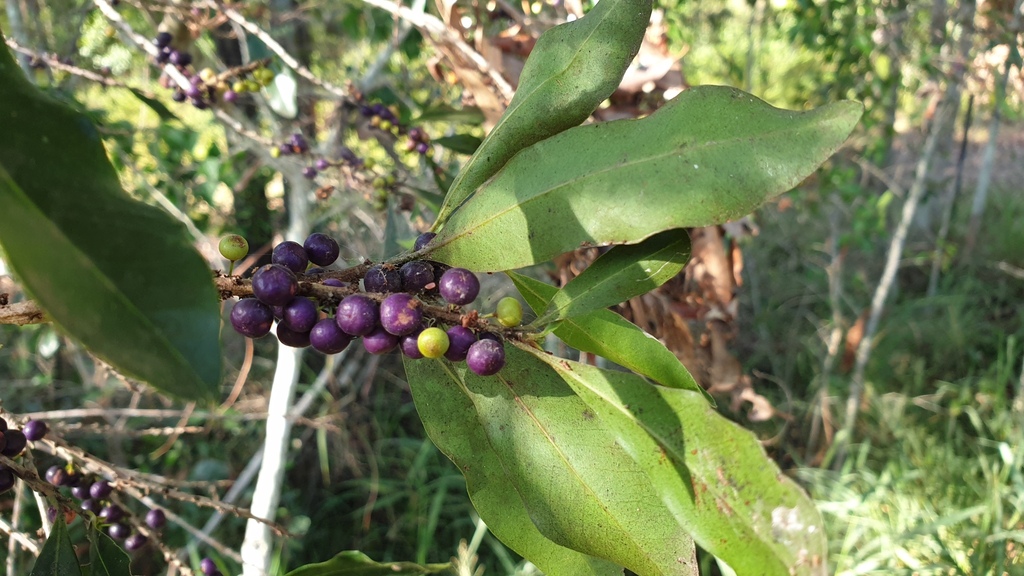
57, 558
116, 274
713, 475
354, 563
711, 155
155, 105
572, 69
462, 143
445, 113
579, 486
619, 274
611, 336
106, 558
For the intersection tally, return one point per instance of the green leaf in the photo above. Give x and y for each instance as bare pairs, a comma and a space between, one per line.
447, 413
57, 558
619, 274
445, 113
581, 488
354, 563
106, 558
155, 105
116, 274
571, 70
713, 475
711, 155
611, 336
462, 143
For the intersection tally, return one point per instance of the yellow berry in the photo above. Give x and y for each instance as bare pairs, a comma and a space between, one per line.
432, 342
510, 312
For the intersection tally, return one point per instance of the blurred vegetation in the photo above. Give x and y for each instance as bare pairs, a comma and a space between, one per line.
934, 479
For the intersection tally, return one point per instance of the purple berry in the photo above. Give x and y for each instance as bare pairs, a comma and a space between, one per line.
3, 425
380, 341
285, 149
415, 133
207, 566
134, 542
322, 164
460, 339
163, 39
112, 513
381, 279
291, 255
326, 337
334, 282
252, 318
230, 97
34, 430
56, 475
422, 240
357, 315
274, 285
278, 312
459, 286
300, 314
309, 172
6, 479
322, 249
16, 442
199, 103
119, 531
81, 492
422, 147
400, 314
409, 345
90, 505
156, 519
180, 58
299, 141
178, 96
486, 357
164, 56
292, 338
416, 275
100, 490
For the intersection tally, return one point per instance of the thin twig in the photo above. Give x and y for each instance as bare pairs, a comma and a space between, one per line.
18, 537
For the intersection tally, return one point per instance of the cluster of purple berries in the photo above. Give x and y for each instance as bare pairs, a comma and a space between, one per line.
386, 119
392, 319
13, 442
206, 87
419, 141
297, 144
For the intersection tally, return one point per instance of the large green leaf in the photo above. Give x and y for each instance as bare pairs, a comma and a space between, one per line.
354, 563
448, 417
572, 68
116, 274
57, 558
713, 475
106, 558
611, 336
580, 486
619, 274
710, 155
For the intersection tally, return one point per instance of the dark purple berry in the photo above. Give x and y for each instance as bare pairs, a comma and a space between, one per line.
400, 314
422, 240
326, 337
291, 255
334, 282
252, 318
415, 133
34, 430
74, 479
100, 490
134, 542
6, 479
55, 475
207, 566
3, 425
309, 172
274, 285
164, 56
3, 441
381, 279
179, 96
278, 312
199, 103
416, 275
486, 357
460, 339
163, 39
459, 286
119, 531
230, 97
422, 147
292, 338
357, 315
299, 141
285, 149
409, 345
380, 341
179, 58
322, 164
112, 513
90, 505
16, 442
299, 315
322, 249
81, 491
194, 92
156, 519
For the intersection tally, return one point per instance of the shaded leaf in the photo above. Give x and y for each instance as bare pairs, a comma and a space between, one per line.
57, 558
573, 67
713, 475
619, 274
116, 274
155, 105
106, 558
354, 563
447, 414
711, 155
462, 143
611, 336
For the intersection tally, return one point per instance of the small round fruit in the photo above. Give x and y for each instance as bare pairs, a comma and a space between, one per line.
416, 275
233, 247
81, 491
422, 240
230, 96
357, 315
34, 430
382, 279
274, 285
208, 566
100, 490
156, 519
3, 441
163, 39
252, 318
459, 286
3, 425
309, 172
321, 164
300, 314
459, 341
400, 314
179, 58
326, 337
90, 505
433, 342
291, 255
509, 312
207, 75
321, 249
409, 345
486, 357
16, 442
134, 542
56, 475
239, 86
111, 513
380, 341
6, 479
292, 338
422, 147
119, 531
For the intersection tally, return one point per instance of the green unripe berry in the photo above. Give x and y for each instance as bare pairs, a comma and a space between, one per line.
385, 125
252, 86
240, 86
263, 75
233, 247
379, 182
510, 312
432, 342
